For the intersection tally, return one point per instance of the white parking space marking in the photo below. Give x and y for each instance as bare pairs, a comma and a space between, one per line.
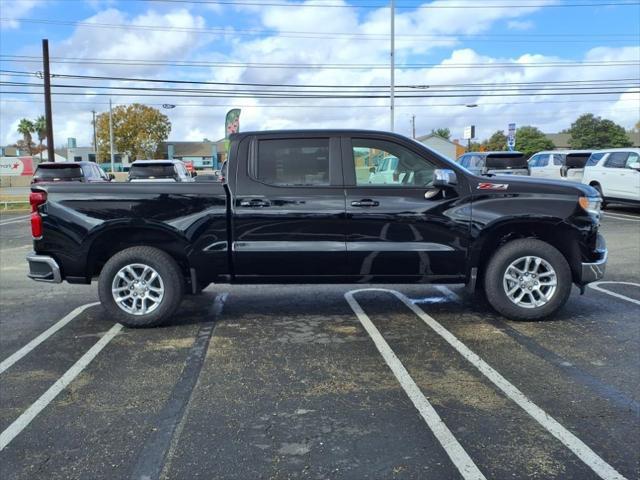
596, 286
30, 413
7, 362
454, 450
15, 220
620, 216
573, 443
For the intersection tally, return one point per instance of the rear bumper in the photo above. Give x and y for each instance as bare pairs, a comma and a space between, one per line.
594, 271
43, 268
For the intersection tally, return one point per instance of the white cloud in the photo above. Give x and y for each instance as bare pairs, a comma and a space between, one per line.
16, 9
196, 118
520, 25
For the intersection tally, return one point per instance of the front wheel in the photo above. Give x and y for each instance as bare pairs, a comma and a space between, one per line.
527, 279
141, 286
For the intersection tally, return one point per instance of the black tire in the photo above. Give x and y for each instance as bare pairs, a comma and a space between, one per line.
166, 268
495, 271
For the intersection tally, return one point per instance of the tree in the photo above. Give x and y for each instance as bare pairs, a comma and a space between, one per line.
497, 141
530, 140
137, 131
26, 128
591, 132
40, 128
442, 132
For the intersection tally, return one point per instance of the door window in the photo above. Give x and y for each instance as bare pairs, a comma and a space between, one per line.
293, 163
617, 160
558, 159
633, 159
403, 167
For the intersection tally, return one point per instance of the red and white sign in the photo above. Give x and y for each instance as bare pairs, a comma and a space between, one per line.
16, 166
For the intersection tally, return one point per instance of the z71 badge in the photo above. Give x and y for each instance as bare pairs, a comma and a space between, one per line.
493, 186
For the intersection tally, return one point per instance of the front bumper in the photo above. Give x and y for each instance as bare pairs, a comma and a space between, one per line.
594, 271
43, 268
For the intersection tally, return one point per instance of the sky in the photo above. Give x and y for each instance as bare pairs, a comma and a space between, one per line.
465, 62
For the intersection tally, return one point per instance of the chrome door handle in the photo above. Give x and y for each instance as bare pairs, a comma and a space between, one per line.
365, 203
254, 203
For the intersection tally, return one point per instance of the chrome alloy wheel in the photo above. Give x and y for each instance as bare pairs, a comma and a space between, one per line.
530, 282
137, 289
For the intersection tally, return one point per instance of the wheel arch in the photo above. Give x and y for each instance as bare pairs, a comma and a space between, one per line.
103, 245
552, 231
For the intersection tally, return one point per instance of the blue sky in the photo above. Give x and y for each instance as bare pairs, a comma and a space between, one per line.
513, 32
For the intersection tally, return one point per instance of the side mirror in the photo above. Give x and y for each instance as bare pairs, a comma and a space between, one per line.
444, 177
372, 169
112, 177
194, 174
634, 166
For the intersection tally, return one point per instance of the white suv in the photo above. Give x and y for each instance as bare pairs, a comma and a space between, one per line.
615, 173
559, 164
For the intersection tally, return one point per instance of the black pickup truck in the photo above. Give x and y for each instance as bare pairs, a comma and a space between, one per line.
299, 207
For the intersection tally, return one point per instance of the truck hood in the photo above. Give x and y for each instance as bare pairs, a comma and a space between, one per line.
522, 184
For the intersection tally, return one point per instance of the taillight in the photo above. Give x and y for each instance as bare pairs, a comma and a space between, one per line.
36, 199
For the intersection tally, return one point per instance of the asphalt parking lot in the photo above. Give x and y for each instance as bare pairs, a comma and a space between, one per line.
320, 381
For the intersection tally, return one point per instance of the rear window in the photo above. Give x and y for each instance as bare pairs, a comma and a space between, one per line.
152, 170
58, 172
293, 162
594, 159
506, 161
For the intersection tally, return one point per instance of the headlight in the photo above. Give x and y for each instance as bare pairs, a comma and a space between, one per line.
591, 204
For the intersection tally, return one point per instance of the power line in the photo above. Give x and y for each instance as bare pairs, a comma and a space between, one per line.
325, 66
542, 84
289, 96
458, 5
484, 37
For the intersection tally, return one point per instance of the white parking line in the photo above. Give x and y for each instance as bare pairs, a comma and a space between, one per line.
456, 453
573, 443
30, 413
7, 362
596, 286
620, 216
15, 220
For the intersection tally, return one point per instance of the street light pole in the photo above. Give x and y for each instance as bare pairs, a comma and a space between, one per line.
95, 137
393, 64
51, 156
413, 126
111, 136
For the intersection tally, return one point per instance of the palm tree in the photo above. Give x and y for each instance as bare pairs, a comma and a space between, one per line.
40, 127
26, 128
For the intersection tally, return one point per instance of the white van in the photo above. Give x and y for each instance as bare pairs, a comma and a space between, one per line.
559, 164
615, 173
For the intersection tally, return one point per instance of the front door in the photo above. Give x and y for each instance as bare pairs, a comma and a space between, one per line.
406, 228
289, 208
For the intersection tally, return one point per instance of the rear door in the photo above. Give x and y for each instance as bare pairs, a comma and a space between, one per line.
537, 164
613, 177
405, 229
289, 208
631, 178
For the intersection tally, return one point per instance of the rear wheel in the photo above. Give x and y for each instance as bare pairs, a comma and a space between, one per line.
527, 279
141, 286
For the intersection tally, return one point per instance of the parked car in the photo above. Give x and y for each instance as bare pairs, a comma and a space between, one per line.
385, 172
494, 163
615, 173
560, 164
292, 210
69, 172
159, 171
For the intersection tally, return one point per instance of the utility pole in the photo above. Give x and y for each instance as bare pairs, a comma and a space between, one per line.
413, 126
393, 63
111, 137
95, 137
51, 156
